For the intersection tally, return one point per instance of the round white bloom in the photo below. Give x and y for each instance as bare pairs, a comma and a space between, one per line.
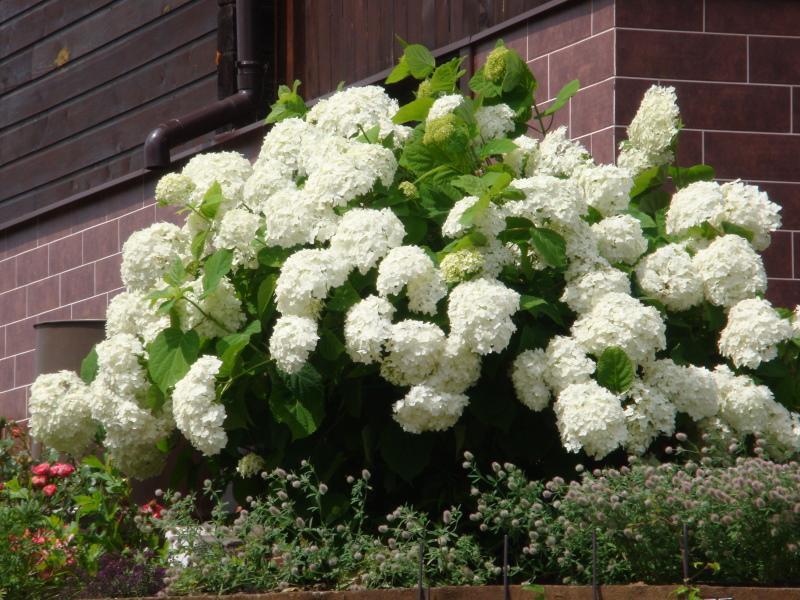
750, 208
591, 418
149, 253
494, 121
731, 271
414, 349
135, 314
549, 202
582, 251
753, 333
669, 276
795, 320
461, 265
497, 255
490, 223
559, 155
427, 409
119, 365
281, 152
174, 188
480, 314
215, 315
648, 415
692, 389
237, 232
567, 363
583, 292
269, 177
198, 415
744, 405
782, 432
306, 278
699, 202
444, 105
293, 218
409, 266
60, 412
347, 112
606, 188
250, 465
634, 160
293, 339
527, 375
347, 175
364, 236
137, 459
367, 328
229, 169
523, 158
656, 124
458, 369
621, 320
620, 239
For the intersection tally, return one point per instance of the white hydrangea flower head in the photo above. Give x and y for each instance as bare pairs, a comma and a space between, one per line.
364, 236
198, 414
458, 369
795, 321
135, 314
648, 415
606, 188
411, 267
293, 339
527, 375
549, 202
480, 314
237, 231
490, 223
523, 158
782, 432
634, 160
753, 333
566, 363
427, 409
461, 265
347, 112
620, 239
150, 253
350, 174
731, 271
621, 320
582, 292
750, 208
367, 328
282, 148
175, 189
215, 315
744, 405
497, 255
692, 389
656, 124
414, 350
444, 105
582, 252
590, 418
137, 459
60, 412
494, 121
269, 177
669, 276
560, 156
120, 368
699, 202
293, 218
306, 278
229, 169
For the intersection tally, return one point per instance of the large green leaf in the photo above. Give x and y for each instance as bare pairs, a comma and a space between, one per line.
400, 71
480, 85
563, 96
229, 347
446, 76
211, 201
497, 146
266, 291
550, 246
217, 266
416, 110
170, 356
615, 370
420, 61
476, 210
89, 366
343, 297
297, 400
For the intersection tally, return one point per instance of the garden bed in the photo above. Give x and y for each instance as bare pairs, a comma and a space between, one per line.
552, 592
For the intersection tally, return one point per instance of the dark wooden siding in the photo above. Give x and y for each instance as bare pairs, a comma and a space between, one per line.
81, 84
348, 40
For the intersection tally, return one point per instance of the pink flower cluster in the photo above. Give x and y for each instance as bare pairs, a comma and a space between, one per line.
44, 471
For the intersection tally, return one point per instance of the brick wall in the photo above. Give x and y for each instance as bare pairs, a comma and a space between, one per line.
734, 63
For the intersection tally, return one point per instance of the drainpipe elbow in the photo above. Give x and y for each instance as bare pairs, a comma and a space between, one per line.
156, 148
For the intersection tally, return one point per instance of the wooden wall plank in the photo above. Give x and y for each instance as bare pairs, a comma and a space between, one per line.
11, 8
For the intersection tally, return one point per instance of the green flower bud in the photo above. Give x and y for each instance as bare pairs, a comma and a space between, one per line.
409, 190
425, 89
461, 265
495, 68
440, 130
175, 189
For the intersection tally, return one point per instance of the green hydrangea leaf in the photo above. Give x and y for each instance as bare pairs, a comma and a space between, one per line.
420, 61
550, 246
297, 400
211, 201
89, 366
563, 96
615, 370
170, 356
216, 267
416, 110
497, 146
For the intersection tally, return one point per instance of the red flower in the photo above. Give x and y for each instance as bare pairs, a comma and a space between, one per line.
39, 480
41, 469
152, 508
2, 485
61, 470
49, 489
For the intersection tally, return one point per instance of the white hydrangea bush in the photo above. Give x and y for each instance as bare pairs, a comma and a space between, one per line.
366, 279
